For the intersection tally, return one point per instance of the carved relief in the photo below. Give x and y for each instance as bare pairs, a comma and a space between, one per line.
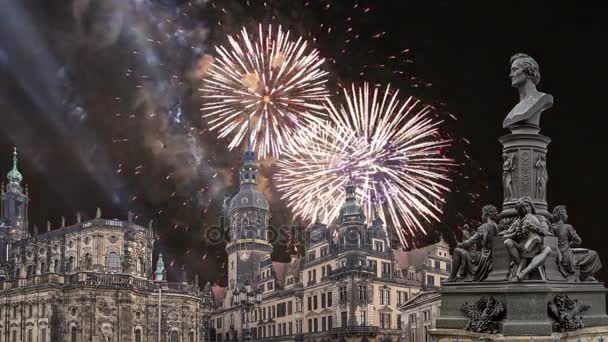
541, 177
525, 174
567, 312
508, 167
483, 314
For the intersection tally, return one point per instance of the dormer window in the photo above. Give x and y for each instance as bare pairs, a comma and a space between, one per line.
379, 246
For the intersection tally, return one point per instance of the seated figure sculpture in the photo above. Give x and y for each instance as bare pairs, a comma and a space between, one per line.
569, 259
469, 261
524, 240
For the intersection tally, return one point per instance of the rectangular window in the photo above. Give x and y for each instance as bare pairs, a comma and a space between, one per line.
309, 325
385, 321
270, 285
299, 305
264, 313
316, 323
284, 328
314, 302
344, 319
289, 307
314, 275
386, 269
299, 327
363, 292
281, 309
430, 280
399, 322
329, 299
322, 300
448, 266
379, 246
362, 317
323, 323
324, 251
329, 323
437, 264
311, 256
274, 313
342, 294
290, 328
309, 303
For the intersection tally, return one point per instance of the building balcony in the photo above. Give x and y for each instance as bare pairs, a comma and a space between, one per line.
355, 330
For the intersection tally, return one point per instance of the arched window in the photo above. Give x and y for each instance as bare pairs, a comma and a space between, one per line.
71, 264
15, 311
30, 310
191, 339
42, 268
14, 336
113, 262
56, 266
29, 336
43, 309
174, 336
87, 261
73, 334
137, 335
18, 273
30, 271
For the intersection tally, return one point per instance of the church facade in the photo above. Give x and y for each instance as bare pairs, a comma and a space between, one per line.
349, 286
90, 281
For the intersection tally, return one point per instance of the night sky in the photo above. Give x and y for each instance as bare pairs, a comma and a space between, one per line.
100, 97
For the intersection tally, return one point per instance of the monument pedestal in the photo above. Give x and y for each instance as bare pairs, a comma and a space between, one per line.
524, 169
594, 334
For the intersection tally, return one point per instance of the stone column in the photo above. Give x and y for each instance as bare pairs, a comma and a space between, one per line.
524, 170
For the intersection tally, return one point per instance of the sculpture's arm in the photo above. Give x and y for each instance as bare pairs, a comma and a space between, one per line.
575, 240
476, 238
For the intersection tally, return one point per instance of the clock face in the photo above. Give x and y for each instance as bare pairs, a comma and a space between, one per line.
316, 236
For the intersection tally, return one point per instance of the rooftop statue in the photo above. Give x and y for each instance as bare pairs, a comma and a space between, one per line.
525, 76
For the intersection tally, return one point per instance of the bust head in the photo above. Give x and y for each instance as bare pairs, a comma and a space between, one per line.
523, 69
559, 213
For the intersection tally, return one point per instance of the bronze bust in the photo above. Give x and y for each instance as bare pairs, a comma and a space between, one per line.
525, 75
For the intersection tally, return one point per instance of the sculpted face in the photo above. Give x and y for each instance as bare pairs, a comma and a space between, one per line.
524, 209
517, 74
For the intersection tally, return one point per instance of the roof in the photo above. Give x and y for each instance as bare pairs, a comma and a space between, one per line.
421, 298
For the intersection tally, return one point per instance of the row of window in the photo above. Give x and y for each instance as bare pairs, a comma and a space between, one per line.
326, 324
384, 295
173, 335
112, 263
326, 301
28, 311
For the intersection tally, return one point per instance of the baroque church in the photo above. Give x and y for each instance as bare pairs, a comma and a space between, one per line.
349, 286
90, 281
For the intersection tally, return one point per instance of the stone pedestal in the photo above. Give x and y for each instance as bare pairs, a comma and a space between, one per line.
594, 334
524, 169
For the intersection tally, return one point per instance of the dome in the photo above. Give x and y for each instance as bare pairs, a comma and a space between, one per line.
14, 176
248, 197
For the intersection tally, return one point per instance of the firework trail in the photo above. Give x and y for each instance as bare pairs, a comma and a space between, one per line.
392, 148
268, 76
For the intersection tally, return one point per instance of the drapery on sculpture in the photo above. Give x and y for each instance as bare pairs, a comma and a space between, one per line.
471, 263
569, 259
508, 167
524, 240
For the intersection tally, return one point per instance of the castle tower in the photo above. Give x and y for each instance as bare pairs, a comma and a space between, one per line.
248, 214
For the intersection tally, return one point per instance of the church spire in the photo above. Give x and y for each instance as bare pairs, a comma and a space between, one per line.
14, 176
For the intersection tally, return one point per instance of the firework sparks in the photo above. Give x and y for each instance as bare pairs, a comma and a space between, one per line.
270, 77
392, 148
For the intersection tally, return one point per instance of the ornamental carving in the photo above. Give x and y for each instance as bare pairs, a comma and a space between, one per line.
483, 314
567, 312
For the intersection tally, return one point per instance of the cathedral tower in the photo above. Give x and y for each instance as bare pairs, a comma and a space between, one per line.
13, 213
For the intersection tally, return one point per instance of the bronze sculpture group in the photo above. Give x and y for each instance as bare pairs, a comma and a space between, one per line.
524, 235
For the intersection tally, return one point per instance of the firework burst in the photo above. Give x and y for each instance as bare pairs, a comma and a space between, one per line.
271, 78
392, 148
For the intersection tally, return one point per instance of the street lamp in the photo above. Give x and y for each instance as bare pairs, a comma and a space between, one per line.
246, 298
